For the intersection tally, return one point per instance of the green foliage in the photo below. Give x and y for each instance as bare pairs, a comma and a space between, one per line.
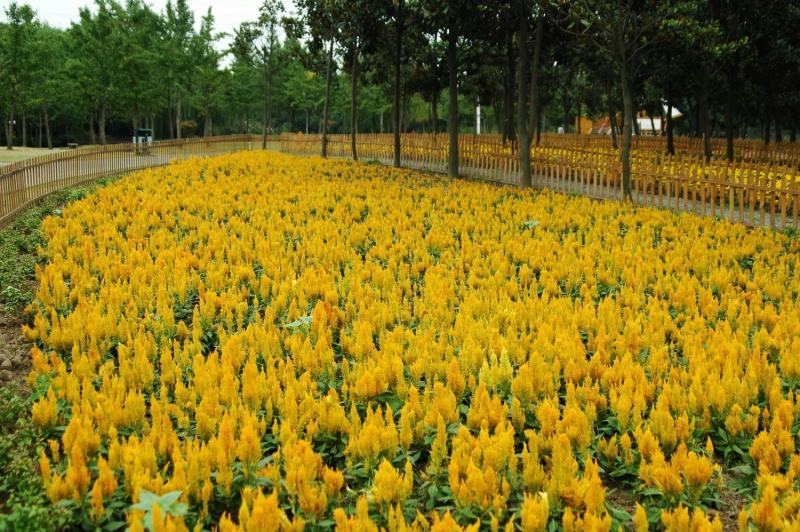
23, 503
167, 503
19, 244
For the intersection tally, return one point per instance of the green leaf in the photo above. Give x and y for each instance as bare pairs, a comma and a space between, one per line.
299, 322
530, 224
167, 500
618, 514
651, 492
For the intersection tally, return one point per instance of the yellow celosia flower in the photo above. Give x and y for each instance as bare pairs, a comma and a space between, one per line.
389, 487
224, 324
535, 513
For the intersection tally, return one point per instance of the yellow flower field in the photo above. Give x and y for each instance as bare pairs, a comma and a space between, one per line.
264, 342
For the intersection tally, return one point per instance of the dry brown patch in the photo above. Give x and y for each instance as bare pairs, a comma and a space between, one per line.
15, 359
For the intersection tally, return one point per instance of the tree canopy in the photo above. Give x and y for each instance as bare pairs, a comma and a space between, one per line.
731, 68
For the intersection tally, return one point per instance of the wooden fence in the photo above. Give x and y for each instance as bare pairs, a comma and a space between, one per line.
763, 193
28, 180
756, 194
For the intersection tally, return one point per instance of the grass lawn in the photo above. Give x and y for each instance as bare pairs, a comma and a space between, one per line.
17, 154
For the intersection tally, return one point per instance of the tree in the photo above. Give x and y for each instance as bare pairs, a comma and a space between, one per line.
267, 36
49, 76
361, 25
527, 110
179, 26
447, 17
621, 31
322, 19
96, 55
398, 88
16, 62
207, 78
137, 30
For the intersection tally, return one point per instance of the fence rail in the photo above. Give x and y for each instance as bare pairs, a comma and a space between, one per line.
26, 181
756, 194
762, 188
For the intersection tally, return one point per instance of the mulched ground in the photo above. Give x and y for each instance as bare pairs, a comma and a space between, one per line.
15, 359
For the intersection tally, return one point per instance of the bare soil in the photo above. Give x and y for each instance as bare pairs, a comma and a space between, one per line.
15, 359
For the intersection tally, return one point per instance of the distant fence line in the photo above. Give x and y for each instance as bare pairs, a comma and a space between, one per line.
765, 193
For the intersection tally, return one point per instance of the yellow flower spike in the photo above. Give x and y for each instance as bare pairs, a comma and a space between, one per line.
44, 412
697, 470
183, 321
334, 480
360, 522
640, 522
535, 512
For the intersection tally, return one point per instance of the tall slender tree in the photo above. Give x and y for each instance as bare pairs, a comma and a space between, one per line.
16, 63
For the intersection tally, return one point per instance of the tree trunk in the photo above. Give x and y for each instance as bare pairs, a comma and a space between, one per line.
430, 113
9, 126
306, 121
536, 98
404, 112
652, 125
452, 112
705, 122
729, 129
24, 129
39, 132
539, 121
398, 58
670, 129
327, 104
47, 129
267, 91
92, 136
101, 124
354, 105
508, 82
435, 111
178, 118
169, 122
612, 117
627, 132
523, 73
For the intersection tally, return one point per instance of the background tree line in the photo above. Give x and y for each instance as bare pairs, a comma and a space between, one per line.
732, 68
